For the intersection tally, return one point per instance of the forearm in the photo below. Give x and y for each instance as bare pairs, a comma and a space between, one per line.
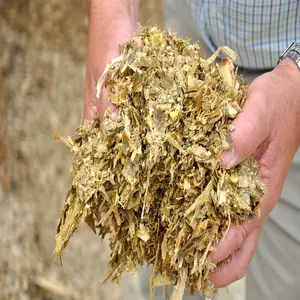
111, 23
289, 73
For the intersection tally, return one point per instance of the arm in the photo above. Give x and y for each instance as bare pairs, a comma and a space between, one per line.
111, 23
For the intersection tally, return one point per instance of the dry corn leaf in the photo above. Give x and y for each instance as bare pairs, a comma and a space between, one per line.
150, 176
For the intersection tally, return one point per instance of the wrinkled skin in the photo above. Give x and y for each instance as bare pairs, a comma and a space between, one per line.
268, 127
110, 25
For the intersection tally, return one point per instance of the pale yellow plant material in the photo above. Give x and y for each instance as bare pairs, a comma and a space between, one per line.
150, 177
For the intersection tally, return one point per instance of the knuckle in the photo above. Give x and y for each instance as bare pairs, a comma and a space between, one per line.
240, 273
240, 236
263, 104
245, 136
244, 231
256, 90
248, 126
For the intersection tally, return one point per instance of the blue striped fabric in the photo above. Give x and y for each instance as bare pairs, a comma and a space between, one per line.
258, 30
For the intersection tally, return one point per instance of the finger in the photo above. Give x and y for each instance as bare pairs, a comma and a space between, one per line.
233, 240
92, 104
90, 98
236, 269
252, 128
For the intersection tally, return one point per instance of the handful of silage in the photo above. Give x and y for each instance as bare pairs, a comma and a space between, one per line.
150, 176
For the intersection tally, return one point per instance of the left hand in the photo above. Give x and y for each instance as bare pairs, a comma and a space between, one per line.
269, 128
111, 23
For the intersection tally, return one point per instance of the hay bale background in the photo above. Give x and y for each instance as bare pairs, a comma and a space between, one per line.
42, 74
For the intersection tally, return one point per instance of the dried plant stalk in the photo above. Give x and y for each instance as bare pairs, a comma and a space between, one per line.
150, 177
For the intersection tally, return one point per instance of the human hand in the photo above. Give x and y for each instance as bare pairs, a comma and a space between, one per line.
269, 128
111, 23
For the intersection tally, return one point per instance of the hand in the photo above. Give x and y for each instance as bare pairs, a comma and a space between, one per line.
269, 128
111, 23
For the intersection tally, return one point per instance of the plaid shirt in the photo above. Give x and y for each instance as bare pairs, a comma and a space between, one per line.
258, 30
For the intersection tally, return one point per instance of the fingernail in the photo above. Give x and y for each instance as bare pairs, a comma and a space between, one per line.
229, 139
228, 158
228, 155
216, 244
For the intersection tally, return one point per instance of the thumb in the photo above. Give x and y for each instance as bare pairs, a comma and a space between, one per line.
252, 128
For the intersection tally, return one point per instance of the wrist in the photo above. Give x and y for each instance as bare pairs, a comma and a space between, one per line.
289, 69
290, 74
